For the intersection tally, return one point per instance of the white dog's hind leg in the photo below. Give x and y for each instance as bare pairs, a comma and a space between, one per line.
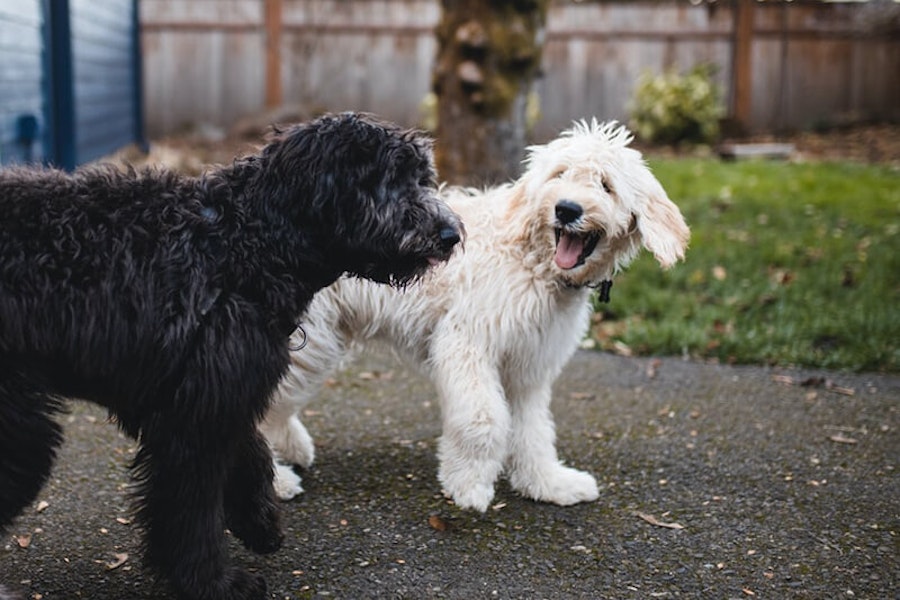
287, 436
290, 442
475, 432
534, 468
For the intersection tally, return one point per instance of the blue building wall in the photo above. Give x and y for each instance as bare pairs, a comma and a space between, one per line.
71, 69
106, 85
21, 79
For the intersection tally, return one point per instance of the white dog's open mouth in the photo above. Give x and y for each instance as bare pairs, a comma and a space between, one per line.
572, 248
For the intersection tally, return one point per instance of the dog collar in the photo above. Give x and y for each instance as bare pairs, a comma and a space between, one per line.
604, 287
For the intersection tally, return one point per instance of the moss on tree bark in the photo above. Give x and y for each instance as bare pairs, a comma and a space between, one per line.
489, 54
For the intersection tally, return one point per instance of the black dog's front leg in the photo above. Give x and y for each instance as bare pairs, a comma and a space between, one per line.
182, 476
252, 512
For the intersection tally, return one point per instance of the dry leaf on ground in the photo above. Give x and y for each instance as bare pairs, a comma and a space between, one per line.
654, 521
120, 559
437, 523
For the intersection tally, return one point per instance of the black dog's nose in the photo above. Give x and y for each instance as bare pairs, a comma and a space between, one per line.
568, 211
449, 237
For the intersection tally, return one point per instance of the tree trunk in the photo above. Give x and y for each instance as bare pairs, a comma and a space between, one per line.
489, 53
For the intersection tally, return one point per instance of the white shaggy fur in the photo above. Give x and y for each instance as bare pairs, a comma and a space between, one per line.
494, 327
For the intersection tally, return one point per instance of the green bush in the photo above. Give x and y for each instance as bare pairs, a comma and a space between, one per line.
672, 108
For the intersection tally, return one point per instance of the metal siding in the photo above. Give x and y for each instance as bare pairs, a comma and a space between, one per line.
104, 85
20, 76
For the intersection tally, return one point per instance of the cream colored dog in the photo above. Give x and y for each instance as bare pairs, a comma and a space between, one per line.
494, 326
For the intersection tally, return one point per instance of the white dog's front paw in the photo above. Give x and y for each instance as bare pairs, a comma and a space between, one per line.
476, 497
469, 488
287, 483
559, 485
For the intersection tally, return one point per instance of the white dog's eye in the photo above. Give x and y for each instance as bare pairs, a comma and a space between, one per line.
558, 174
606, 187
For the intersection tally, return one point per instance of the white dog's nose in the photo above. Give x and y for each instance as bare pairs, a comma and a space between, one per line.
568, 211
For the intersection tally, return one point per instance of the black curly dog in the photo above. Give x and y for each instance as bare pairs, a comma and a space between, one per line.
169, 300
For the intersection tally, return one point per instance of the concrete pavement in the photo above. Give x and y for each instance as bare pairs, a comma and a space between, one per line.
716, 482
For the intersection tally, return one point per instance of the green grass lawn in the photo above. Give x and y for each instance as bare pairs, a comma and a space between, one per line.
789, 264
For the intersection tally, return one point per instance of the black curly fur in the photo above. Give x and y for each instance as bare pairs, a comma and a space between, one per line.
169, 300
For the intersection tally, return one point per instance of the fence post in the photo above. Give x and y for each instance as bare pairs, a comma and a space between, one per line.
742, 63
60, 139
273, 25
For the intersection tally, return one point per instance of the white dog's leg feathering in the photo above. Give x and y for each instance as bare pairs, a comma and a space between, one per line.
535, 471
475, 430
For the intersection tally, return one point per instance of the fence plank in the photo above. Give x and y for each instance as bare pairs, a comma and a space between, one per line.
795, 66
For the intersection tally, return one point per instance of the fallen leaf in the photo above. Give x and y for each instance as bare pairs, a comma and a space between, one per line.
23, 541
654, 521
42, 506
840, 438
748, 591
123, 521
499, 505
622, 349
437, 523
781, 276
719, 273
581, 396
118, 562
841, 390
815, 382
652, 367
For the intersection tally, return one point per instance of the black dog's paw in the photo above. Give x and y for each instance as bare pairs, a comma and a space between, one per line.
261, 532
262, 542
246, 586
236, 584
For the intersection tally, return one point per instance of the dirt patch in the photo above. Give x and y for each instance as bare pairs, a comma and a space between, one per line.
875, 144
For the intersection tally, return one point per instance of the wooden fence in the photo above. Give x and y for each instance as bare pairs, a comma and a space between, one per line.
781, 65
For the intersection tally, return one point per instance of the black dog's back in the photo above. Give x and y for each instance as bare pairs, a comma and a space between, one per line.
101, 272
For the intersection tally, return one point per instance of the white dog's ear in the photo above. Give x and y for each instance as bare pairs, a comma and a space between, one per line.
662, 228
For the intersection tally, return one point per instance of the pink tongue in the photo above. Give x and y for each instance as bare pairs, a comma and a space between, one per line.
568, 250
